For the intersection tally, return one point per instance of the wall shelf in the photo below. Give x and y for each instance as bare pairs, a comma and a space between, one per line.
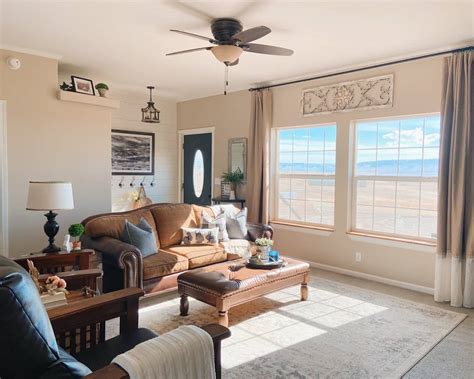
88, 99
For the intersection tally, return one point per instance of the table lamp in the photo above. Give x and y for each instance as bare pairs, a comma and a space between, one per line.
50, 196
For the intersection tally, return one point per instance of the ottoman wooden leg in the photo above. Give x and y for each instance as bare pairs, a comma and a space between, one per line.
184, 305
223, 318
304, 291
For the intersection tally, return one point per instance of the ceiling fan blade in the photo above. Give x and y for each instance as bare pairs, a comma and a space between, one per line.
251, 34
234, 63
189, 51
211, 40
266, 49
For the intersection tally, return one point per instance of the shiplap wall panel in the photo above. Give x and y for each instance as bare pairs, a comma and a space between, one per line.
166, 150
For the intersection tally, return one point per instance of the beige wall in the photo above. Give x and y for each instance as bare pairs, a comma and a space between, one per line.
48, 139
417, 90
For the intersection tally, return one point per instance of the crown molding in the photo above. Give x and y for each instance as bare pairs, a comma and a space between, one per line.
25, 50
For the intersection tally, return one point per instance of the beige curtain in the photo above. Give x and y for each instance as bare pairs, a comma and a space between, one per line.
258, 166
454, 277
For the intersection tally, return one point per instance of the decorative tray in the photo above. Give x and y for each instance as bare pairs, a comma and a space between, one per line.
266, 265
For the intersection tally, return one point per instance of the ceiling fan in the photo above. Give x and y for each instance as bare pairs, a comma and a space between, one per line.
231, 41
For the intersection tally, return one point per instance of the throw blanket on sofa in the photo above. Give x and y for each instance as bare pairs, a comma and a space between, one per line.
184, 353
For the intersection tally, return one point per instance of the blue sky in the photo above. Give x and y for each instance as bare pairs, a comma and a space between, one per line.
411, 133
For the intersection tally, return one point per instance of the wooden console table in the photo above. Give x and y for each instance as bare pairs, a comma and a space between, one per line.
59, 262
218, 200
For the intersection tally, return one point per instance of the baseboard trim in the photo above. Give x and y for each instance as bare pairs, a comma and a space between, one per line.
374, 278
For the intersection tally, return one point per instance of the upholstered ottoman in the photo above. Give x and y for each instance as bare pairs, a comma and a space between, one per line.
229, 284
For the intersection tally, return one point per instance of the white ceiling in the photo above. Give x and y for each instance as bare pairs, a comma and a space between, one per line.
124, 42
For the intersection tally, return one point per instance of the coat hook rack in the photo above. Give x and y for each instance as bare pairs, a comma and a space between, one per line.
121, 182
143, 181
132, 183
152, 183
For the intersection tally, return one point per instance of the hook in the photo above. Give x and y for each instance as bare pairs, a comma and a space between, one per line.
143, 182
121, 182
132, 183
152, 181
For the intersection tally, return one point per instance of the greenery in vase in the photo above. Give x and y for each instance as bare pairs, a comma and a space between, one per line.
102, 85
76, 231
263, 242
234, 177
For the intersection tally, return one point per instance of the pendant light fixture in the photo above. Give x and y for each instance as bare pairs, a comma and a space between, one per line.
150, 113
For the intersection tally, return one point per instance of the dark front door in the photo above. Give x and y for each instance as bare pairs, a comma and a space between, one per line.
197, 168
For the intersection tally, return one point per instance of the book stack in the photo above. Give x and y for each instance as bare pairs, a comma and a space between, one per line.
53, 301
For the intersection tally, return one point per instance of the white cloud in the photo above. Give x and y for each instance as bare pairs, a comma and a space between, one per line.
414, 136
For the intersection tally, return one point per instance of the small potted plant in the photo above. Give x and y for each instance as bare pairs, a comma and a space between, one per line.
76, 231
264, 244
102, 88
235, 178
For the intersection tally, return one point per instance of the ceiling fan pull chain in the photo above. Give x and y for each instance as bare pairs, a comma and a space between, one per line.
226, 78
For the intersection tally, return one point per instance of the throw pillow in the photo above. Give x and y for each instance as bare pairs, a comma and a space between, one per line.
209, 222
237, 224
196, 236
140, 236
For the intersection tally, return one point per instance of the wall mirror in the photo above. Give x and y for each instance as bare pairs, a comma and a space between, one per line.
238, 155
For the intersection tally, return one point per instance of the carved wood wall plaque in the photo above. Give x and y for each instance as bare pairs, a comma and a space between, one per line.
361, 94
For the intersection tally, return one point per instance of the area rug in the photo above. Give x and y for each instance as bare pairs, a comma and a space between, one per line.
342, 331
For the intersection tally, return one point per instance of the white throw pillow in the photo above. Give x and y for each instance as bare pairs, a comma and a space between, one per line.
196, 236
236, 224
219, 221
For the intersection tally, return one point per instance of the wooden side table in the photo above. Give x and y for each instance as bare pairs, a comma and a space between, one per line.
61, 261
218, 200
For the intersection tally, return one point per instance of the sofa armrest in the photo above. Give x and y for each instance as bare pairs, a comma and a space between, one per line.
121, 255
258, 230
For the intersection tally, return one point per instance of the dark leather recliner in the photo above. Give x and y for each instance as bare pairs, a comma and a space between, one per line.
28, 346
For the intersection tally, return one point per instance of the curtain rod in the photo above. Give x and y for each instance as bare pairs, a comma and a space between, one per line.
459, 50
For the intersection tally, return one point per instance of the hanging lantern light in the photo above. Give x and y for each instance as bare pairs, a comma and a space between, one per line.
150, 113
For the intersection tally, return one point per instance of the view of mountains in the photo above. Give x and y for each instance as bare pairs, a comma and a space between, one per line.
410, 167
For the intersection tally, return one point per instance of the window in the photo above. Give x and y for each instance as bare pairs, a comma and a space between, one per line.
305, 175
395, 177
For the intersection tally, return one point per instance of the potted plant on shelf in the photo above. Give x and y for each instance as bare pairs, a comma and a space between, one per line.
235, 178
264, 246
76, 231
102, 88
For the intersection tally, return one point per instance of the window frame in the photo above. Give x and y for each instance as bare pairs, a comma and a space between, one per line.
352, 229
275, 181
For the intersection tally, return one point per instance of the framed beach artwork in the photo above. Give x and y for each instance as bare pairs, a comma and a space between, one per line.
133, 153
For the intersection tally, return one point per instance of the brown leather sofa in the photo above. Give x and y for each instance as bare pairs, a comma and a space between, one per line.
123, 264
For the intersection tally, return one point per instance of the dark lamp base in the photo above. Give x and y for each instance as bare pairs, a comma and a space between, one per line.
51, 249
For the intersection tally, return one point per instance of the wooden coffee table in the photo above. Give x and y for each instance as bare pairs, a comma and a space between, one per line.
228, 284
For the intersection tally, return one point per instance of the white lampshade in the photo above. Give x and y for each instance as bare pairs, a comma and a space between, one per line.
49, 196
227, 53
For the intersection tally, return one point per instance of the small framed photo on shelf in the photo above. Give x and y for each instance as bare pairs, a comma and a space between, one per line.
82, 85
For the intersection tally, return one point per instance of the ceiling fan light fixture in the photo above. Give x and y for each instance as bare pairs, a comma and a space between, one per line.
227, 53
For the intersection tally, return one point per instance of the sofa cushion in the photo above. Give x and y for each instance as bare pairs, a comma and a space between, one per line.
163, 263
111, 225
169, 220
142, 236
200, 255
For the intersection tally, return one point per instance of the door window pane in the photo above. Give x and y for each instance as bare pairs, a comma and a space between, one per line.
198, 173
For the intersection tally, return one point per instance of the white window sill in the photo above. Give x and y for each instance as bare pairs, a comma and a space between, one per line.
309, 229
392, 242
